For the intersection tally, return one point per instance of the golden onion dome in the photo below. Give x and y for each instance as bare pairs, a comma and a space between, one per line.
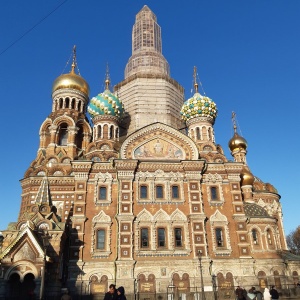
237, 142
246, 177
71, 80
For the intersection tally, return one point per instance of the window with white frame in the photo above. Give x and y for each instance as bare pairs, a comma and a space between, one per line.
100, 239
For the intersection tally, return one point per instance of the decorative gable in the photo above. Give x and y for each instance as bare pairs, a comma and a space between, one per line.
159, 142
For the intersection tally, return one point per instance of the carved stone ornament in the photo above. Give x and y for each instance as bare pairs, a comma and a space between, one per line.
25, 253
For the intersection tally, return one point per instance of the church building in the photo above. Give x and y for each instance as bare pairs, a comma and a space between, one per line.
130, 187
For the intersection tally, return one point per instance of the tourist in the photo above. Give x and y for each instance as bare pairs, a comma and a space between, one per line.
274, 294
267, 295
239, 292
251, 295
111, 294
121, 293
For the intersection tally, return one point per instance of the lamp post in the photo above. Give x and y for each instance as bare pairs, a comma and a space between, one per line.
213, 278
45, 238
201, 274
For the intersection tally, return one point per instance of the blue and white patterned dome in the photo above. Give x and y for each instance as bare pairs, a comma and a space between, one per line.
106, 103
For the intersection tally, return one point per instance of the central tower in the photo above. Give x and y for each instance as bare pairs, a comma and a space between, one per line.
148, 92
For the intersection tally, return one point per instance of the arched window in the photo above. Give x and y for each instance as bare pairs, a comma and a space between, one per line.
99, 131
209, 134
67, 103
269, 237
254, 236
79, 106
60, 102
198, 133
111, 132
63, 135
47, 136
105, 131
277, 279
79, 138
73, 103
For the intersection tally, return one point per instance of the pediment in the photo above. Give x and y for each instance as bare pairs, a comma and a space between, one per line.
25, 252
24, 246
159, 142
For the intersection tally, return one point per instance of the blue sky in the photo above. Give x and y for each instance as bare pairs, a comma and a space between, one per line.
246, 52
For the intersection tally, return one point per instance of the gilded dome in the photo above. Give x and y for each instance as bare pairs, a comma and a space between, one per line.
106, 103
237, 142
198, 106
246, 177
71, 81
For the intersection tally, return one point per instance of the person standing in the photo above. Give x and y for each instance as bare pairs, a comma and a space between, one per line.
239, 292
274, 293
111, 294
121, 293
267, 295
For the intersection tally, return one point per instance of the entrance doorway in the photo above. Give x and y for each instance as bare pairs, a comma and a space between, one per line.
20, 290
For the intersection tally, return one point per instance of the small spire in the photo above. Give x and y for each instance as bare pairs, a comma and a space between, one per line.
74, 60
234, 122
195, 80
107, 80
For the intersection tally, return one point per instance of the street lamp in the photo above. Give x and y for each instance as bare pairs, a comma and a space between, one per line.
201, 274
45, 238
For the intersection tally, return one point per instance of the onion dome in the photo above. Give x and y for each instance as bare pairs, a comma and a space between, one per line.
198, 106
246, 177
106, 103
237, 142
71, 80
271, 188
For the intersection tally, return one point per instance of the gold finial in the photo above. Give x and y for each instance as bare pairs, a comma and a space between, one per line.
74, 60
107, 80
234, 121
195, 80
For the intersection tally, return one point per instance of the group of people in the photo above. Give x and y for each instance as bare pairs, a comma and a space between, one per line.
253, 294
115, 294
112, 294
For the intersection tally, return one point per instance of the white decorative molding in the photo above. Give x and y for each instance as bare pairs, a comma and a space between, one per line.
101, 221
